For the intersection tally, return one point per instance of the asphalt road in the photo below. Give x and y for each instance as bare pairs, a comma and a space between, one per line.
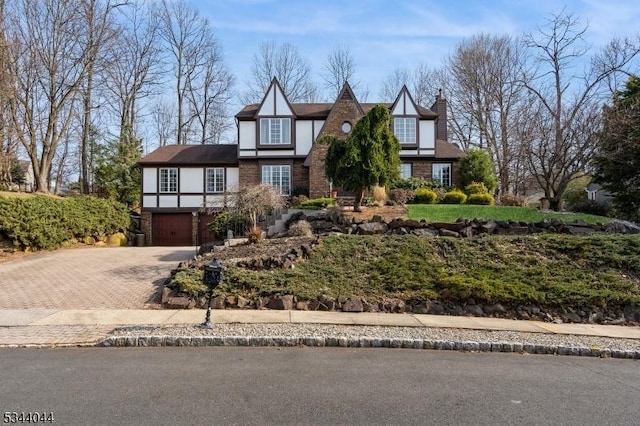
218, 385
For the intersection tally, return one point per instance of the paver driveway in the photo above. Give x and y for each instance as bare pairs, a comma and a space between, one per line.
89, 278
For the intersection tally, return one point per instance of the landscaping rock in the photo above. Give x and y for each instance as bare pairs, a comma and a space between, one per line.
372, 228
496, 308
488, 227
455, 226
218, 303
425, 232
475, 310
281, 303
180, 303
352, 305
448, 233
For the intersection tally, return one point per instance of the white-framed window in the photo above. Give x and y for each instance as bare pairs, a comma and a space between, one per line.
441, 172
169, 180
278, 176
275, 131
405, 129
405, 170
215, 179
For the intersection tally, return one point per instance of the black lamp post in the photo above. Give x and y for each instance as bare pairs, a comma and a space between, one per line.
213, 274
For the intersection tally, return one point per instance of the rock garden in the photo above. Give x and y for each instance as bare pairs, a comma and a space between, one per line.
549, 270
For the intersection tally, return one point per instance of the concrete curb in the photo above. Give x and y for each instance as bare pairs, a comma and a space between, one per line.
363, 342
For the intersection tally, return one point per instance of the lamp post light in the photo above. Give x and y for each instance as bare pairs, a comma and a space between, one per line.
213, 274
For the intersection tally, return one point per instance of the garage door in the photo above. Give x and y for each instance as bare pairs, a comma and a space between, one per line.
172, 229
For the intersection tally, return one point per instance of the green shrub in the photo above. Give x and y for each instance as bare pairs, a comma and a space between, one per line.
414, 183
476, 188
511, 200
454, 197
297, 200
238, 223
481, 199
318, 203
425, 196
598, 208
189, 281
43, 222
401, 196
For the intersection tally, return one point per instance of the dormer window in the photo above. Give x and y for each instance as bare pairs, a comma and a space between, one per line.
275, 131
405, 129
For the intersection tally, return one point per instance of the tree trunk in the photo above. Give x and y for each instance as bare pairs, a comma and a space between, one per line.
357, 204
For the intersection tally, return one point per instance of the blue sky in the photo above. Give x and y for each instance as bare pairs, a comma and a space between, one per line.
385, 34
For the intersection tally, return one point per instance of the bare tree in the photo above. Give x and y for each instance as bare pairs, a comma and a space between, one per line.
488, 99
135, 70
284, 63
339, 67
562, 143
208, 92
163, 115
99, 29
393, 83
185, 34
47, 65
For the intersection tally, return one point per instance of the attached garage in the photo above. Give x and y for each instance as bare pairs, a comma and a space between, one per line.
172, 229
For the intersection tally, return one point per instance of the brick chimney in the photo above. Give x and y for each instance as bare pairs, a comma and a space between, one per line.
440, 108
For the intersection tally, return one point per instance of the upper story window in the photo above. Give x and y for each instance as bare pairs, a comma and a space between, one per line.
169, 180
215, 179
275, 131
405, 170
278, 176
441, 172
405, 129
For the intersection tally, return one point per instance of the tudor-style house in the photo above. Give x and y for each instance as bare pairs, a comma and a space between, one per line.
277, 146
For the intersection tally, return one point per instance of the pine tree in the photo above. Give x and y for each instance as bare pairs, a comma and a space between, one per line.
369, 156
617, 163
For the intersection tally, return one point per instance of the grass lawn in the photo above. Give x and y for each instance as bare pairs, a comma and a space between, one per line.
451, 212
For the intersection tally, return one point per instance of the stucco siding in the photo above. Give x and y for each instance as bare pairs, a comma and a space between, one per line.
149, 179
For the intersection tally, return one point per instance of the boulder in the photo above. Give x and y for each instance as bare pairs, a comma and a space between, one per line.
425, 232
352, 304
455, 226
180, 303
448, 233
372, 228
488, 227
281, 303
621, 227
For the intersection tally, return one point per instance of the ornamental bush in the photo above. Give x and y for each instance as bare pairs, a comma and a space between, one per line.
425, 196
401, 196
481, 199
43, 222
238, 223
454, 197
318, 203
512, 200
476, 188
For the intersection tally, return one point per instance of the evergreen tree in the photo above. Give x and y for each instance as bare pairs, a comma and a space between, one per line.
369, 156
618, 159
117, 171
477, 166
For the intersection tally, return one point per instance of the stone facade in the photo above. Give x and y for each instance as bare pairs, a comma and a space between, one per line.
345, 109
146, 227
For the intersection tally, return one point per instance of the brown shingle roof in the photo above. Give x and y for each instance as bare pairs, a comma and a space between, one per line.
193, 154
445, 149
321, 110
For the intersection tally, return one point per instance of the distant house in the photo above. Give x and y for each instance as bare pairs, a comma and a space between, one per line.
277, 146
29, 183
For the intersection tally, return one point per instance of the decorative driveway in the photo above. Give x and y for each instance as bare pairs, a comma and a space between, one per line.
89, 278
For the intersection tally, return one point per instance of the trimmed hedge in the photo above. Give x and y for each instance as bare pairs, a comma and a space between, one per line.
485, 199
43, 222
454, 197
425, 196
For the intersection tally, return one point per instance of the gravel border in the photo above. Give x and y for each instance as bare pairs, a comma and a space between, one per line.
316, 335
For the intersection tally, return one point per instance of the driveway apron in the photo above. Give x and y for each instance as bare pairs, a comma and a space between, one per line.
89, 278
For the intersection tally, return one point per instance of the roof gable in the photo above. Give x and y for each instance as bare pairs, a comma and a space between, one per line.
275, 103
404, 104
